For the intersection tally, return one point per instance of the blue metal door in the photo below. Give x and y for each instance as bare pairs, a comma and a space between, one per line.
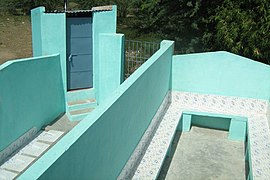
79, 53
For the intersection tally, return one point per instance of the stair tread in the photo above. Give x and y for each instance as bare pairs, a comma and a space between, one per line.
81, 102
81, 111
63, 124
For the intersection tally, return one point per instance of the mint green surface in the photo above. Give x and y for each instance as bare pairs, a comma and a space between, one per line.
36, 15
100, 145
236, 125
211, 122
103, 22
221, 73
238, 129
111, 64
186, 122
81, 95
31, 95
49, 35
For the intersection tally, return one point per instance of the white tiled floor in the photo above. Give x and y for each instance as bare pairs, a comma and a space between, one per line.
35, 148
49, 136
20, 161
6, 175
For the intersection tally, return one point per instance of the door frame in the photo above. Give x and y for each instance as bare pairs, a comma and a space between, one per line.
70, 14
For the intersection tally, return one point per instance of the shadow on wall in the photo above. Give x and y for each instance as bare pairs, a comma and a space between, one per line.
100, 145
31, 95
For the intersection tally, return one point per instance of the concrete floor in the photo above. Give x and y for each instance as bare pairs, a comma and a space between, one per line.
204, 154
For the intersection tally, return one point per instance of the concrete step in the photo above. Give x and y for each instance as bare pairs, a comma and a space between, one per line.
80, 94
62, 124
78, 115
81, 111
82, 104
26, 156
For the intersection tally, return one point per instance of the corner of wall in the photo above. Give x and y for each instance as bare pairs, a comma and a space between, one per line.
111, 60
170, 43
103, 22
36, 24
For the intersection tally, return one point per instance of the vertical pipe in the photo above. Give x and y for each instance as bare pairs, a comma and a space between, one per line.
137, 55
133, 57
128, 66
65, 5
144, 51
149, 45
140, 53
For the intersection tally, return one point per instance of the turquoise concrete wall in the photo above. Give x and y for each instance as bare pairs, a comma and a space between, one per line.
221, 73
211, 122
100, 145
103, 22
36, 15
111, 64
49, 35
31, 95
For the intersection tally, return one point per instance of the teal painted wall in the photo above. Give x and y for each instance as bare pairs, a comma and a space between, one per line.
103, 22
36, 15
31, 95
211, 122
49, 35
100, 145
221, 73
111, 64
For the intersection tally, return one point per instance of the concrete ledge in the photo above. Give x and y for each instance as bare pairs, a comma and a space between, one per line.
238, 129
186, 122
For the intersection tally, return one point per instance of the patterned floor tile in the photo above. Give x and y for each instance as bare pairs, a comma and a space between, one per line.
255, 110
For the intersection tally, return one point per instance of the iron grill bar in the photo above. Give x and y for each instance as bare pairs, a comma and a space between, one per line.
136, 53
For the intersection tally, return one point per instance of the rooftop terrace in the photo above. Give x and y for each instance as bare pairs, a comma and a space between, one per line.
130, 128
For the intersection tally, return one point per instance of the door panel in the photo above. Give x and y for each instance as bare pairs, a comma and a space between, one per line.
81, 45
75, 79
80, 63
81, 26
79, 53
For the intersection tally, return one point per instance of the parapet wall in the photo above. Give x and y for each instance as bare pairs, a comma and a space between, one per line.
221, 73
31, 95
101, 144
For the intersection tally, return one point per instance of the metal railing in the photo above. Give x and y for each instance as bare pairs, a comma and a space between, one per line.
136, 53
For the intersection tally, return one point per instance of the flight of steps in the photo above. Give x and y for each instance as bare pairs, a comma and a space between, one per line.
25, 157
79, 109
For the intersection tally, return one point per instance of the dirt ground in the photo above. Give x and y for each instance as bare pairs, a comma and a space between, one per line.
15, 37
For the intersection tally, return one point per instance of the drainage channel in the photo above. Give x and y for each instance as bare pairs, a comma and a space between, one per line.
204, 153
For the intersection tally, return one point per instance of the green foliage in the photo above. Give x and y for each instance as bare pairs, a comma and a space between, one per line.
241, 27
18, 7
177, 20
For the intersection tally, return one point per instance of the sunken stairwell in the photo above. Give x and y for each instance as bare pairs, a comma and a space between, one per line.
79, 109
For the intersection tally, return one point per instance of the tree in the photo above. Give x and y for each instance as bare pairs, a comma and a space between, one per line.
26, 5
177, 20
241, 27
